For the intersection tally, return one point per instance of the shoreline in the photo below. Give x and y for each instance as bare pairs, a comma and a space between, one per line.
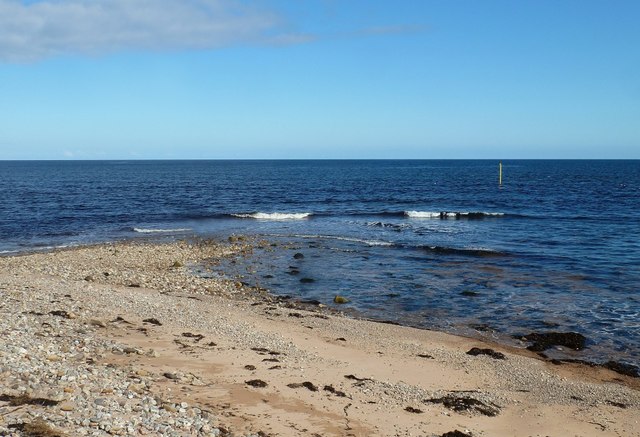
215, 343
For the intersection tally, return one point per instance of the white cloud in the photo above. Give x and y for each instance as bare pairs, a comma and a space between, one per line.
48, 28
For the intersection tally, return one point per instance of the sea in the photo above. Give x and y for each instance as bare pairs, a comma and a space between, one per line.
433, 244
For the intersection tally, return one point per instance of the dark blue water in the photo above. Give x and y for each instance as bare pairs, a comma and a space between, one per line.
557, 247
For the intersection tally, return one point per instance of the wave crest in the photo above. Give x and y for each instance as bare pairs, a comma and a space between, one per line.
452, 214
159, 231
275, 215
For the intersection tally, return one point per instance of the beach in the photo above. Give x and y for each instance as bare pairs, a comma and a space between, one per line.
123, 339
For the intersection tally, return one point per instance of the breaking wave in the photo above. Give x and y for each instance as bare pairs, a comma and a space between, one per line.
452, 214
275, 215
160, 231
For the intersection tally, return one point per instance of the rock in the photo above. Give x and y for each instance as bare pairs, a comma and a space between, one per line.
53, 358
340, 299
169, 407
413, 410
137, 388
177, 264
89, 278
298, 256
99, 323
67, 406
546, 340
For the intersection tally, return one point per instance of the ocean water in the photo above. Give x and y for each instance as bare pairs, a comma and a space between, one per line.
432, 244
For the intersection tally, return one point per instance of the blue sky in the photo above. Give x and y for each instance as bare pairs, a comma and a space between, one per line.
219, 79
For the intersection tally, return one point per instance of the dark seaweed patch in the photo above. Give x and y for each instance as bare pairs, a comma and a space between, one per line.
456, 433
489, 352
623, 369
463, 404
27, 400
152, 321
196, 337
256, 383
307, 384
338, 393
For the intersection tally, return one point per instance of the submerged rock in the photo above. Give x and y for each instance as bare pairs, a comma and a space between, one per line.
340, 299
546, 340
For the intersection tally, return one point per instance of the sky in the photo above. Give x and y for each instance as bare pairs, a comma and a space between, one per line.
319, 79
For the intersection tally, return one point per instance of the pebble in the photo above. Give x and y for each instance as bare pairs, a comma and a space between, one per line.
66, 406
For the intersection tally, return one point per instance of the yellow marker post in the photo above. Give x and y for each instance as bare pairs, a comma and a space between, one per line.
500, 173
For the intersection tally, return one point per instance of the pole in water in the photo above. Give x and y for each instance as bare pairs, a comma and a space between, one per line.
500, 173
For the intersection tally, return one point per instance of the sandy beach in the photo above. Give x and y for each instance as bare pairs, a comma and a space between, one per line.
122, 339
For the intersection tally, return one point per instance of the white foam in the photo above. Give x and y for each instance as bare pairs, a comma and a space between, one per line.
275, 215
422, 214
449, 214
160, 231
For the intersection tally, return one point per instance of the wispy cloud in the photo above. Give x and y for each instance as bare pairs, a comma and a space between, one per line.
42, 29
